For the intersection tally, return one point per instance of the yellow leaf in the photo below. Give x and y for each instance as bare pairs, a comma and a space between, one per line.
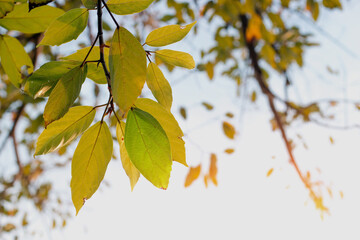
168, 35
208, 106
206, 178
183, 112
170, 126
253, 96
124, 7
193, 174
229, 130
209, 68
229, 115
213, 169
131, 171
229, 150
331, 140
127, 62
159, 86
253, 31
269, 172
177, 58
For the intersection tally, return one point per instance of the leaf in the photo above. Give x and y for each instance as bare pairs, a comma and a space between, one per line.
43, 80
13, 57
193, 174
124, 7
332, 4
213, 169
130, 170
127, 61
36, 21
95, 71
229, 115
159, 86
63, 132
66, 27
148, 147
208, 106
177, 58
64, 94
229, 150
209, 68
168, 35
269, 172
229, 130
253, 31
183, 112
6, 6
37, 3
89, 163
253, 96
170, 126
89, 4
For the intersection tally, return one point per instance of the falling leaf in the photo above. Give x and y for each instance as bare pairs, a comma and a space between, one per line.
213, 169
229, 115
331, 140
183, 112
208, 106
229, 150
269, 172
193, 174
229, 130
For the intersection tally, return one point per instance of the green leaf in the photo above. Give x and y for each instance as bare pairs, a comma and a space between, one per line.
148, 147
127, 62
159, 86
36, 21
43, 80
95, 70
13, 57
177, 58
5, 7
168, 35
63, 132
89, 163
64, 94
90, 4
123, 7
66, 27
130, 170
170, 126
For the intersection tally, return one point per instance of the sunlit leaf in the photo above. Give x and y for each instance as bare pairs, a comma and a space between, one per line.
170, 126
64, 94
271, 170
43, 80
63, 132
159, 86
6, 6
89, 163
66, 27
130, 170
193, 174
13, 57
229, 150
177, 58
168, 35
148, 147
213, 169
95, 70
36, 21
124, 7
229, 130
253, 31
127, 62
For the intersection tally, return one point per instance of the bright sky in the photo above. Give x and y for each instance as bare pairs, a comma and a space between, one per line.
246, 204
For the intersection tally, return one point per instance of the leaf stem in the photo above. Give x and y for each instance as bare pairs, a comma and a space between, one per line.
111, 15
91, 48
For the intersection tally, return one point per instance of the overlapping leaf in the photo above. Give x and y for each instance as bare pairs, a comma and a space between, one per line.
130, 170
89, 163
168, 35
13, 57
159, 86
64, 94
127, 62
66, 27
43, 80
36, 21
177, 58
124, 7
169, 124
62, 132
148, 147
95, 71
5, 7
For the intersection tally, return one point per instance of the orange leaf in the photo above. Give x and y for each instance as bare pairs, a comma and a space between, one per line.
206, 178
193, 174
213, 169
253, 31
229, 150
229, 130
269, 172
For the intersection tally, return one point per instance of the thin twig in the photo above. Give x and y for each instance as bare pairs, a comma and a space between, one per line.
111, 15
91, 48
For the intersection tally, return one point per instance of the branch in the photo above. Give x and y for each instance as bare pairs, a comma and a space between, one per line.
250, 45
